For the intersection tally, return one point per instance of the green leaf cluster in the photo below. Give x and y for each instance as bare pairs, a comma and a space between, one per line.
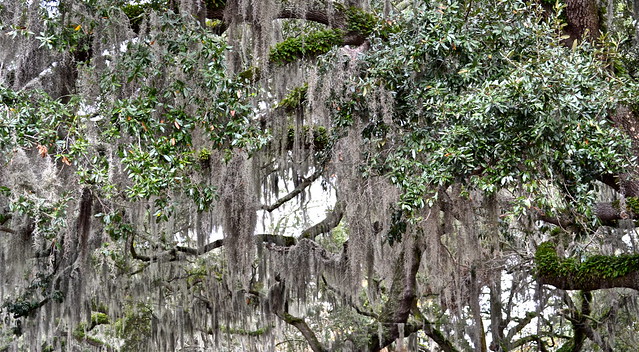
494, 103
135, 326
294, 99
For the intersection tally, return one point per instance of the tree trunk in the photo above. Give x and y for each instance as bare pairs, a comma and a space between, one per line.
583, 20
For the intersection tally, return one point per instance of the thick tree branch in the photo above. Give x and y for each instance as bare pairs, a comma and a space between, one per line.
319, 16
606, 212
8, 230
301, 325
431, 331
528, 339
330, 222
520, 325
400, 302
594, 273
334, 18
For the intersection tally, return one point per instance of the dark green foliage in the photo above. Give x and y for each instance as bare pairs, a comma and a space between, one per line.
135, 327
308, 46
398, 227
250, 74
469, 110
360, 21
33, 297
215, 4
633, 204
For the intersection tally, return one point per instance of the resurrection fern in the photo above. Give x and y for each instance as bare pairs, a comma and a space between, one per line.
594, 267
308, 46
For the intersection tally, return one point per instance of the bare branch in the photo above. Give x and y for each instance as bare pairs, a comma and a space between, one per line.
173, 253
8, 230
520, 325
299, 189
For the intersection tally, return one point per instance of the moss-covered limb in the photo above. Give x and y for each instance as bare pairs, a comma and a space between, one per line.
596, 272
177, 253
303, 328
399, 305
354, 27
539, 340
98, 318
436, 335
251, 74
307, 46
80, 332
431, 331
349, 25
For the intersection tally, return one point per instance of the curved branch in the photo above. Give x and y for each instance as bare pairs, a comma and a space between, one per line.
528, 339
330, 222
431, 331
318, 16
299, 189
520, 325
301, 325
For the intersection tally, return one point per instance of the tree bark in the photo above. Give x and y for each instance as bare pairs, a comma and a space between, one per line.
583, 20
401, 299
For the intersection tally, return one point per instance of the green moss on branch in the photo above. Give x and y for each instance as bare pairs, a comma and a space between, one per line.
632, 203
360, 21
308, 46
598, 271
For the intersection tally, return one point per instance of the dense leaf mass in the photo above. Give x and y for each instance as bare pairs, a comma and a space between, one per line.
328, 175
